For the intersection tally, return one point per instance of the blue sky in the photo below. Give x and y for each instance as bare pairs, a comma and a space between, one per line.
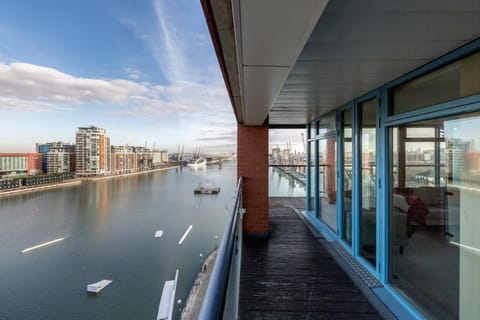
144, 70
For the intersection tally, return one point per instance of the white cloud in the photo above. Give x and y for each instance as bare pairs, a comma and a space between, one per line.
30, 87
170, 55
46, 87
181, 47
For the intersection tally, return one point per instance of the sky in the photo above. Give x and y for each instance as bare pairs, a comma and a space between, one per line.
144, 70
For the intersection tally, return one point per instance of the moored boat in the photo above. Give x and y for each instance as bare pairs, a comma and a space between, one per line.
206, 190
200, 162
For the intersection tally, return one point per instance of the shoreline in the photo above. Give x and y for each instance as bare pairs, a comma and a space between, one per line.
95, 178
42, 187
194, 301
72, 182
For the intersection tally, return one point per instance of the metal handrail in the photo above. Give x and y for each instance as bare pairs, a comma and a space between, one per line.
215, 296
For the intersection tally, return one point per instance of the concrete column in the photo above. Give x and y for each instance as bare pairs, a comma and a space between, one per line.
252, 161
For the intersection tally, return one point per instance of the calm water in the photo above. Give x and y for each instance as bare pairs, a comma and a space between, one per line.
281, 184
109, 229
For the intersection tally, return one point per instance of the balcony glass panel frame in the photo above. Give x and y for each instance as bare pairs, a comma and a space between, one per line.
387, 121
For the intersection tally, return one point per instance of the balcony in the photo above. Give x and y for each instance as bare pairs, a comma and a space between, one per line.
291, 274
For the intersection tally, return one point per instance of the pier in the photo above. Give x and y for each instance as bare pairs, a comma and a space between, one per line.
293, 171
195, 298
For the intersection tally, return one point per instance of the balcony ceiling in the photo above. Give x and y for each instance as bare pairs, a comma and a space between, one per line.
292, 61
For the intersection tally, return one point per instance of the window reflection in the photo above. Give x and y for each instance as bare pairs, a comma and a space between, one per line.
434, 216
327, 180
311, 173
368, 216
347, 176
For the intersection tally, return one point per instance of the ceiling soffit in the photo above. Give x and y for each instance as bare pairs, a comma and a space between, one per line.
358, 46
269, 34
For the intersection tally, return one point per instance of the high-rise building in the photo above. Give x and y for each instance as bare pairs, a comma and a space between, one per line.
57, 157
92, 152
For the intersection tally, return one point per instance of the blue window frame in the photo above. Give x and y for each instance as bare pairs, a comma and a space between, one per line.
384, 122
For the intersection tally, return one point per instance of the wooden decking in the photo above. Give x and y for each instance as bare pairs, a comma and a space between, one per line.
291, 275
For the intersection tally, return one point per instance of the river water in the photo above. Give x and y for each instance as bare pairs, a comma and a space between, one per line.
108, 228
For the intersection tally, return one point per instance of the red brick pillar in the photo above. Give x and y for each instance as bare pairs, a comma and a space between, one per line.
252, 162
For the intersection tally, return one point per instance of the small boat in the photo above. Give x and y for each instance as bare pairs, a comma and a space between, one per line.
206, 190
200, 162
159, 233
167, 301
98, 286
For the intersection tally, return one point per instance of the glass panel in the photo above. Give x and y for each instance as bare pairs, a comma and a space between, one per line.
419, 153
434, 242
312, 130
327, 180
368, 216
456, 80
311, 173
420, 132
327, 124
347, 176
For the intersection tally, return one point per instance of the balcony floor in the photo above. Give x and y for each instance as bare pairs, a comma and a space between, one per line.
291, 275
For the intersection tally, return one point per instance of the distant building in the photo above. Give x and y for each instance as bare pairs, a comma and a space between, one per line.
44, 148
57, 157
123, 160
285, 157
473, 161
160, 157
457, 150
93, 154
144, 158
60, 161
20, 163
276, 156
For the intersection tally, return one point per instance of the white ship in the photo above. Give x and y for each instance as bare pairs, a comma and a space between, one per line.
200, 162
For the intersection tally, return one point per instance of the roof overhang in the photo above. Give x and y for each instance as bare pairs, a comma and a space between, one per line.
289, 62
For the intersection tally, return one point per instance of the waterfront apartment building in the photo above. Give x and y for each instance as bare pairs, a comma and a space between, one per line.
57, 157
93, 153
144, 158
61, 160
124, 160
13, 164
388, 93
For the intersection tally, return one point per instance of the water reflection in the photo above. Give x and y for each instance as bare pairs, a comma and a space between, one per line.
286, 182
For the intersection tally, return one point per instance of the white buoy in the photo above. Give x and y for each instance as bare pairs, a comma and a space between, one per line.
185, 234
42, 245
